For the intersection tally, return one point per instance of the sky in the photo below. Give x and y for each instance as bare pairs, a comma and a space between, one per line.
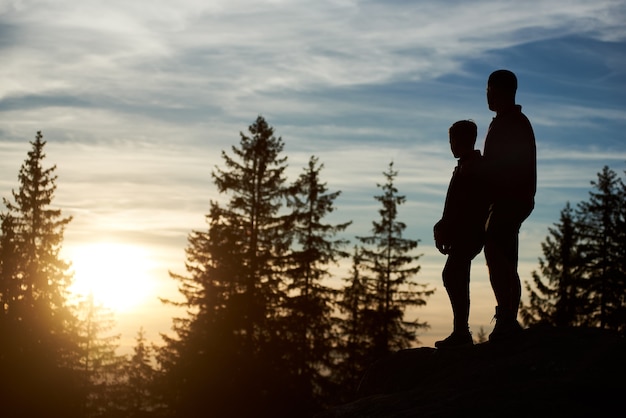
137, 100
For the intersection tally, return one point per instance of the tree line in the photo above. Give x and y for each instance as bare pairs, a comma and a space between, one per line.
265, 334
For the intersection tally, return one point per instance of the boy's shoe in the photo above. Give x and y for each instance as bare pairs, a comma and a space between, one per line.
456, 340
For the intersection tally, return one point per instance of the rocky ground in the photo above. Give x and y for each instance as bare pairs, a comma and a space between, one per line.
545, 372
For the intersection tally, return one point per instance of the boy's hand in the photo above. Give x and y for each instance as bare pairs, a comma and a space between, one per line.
443, 248
440, 238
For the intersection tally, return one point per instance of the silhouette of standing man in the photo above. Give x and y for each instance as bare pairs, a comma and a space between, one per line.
510, 158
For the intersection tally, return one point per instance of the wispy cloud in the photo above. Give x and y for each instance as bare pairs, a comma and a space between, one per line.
246, 47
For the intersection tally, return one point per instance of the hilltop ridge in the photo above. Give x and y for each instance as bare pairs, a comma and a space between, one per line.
545, 371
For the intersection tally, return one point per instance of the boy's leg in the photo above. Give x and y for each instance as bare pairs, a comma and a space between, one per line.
456, 278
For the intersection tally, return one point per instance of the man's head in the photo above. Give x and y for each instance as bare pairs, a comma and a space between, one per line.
501, 88
462, 137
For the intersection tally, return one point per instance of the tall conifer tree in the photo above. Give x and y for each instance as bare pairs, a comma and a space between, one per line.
310, 301
227, 357
37, 345
556, 297
389, 265
255, 181
604, 248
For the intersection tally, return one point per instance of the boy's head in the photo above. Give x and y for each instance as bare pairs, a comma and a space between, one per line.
462, 137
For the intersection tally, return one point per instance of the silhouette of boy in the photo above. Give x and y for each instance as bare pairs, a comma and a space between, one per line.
510, 158
460, 232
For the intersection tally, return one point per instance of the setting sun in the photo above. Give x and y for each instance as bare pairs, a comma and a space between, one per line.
118, 275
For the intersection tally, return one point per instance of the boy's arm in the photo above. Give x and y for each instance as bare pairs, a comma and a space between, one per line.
440, 237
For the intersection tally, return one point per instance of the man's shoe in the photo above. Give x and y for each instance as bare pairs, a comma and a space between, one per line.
504, 329
456, 340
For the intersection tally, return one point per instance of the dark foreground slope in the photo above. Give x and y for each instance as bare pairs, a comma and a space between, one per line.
545, 372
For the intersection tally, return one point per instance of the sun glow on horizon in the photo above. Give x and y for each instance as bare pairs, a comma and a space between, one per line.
117, 275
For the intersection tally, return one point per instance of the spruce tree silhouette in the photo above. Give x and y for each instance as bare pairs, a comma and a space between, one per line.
38, 346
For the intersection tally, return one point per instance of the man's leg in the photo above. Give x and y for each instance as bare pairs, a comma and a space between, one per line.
501, 254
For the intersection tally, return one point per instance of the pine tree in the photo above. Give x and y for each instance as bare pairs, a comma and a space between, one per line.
559, 300
256, 183
621, 237
389, 265
36, 319
603, 248
310, 301
230, 348
10, 292
201, 365
481, 336
140, 397
354, 349
101, 367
